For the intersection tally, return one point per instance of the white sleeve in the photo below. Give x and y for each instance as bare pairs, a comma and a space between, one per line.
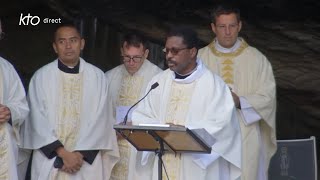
249, 113
145, 157
204, 160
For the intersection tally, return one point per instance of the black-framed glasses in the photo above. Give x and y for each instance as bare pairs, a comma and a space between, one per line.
173, 51
135, 59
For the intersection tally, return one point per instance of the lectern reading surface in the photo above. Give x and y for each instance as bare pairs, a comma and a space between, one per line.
177, 139
166, 139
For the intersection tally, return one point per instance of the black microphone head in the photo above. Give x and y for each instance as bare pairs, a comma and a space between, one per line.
154, 85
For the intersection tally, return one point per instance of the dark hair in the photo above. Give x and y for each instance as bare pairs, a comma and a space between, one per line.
224, 8
189, 36
69, 25
135, 39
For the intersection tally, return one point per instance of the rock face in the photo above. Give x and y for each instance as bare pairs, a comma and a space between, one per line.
293, 49
287, 32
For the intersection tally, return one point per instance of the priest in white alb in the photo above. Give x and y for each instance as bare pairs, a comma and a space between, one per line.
249, 75
190, 95
127, 84
68, 126
13, 111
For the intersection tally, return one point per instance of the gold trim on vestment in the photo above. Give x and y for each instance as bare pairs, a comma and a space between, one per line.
68, 125
242, 47
226, 62
4, 166
177, 110
4, 153
129, 93
130, 90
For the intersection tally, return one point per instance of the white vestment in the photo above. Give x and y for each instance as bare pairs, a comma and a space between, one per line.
249, 74
12, 95
125, 90
61, 103
201, 100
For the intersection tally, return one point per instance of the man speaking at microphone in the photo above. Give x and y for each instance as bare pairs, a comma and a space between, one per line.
127, 84
190, 95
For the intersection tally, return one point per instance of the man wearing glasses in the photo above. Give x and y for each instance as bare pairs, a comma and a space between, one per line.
13, 111
190, 95
249, 75
127, 84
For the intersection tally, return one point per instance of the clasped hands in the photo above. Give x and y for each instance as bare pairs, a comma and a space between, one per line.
72, 161
5, 114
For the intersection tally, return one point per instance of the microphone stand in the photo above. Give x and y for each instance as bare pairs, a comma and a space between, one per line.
156, 84
159, 152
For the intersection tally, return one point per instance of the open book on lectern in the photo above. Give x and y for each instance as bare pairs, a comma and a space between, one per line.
175, 138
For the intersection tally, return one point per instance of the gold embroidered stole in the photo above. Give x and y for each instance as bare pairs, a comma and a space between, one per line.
129, 93
68, 121
4, 159
226, 62
4, 156
177, 109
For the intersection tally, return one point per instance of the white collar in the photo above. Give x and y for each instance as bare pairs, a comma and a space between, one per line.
199, 70
227, 50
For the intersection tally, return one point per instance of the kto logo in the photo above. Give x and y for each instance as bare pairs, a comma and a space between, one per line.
25, 20
35, 20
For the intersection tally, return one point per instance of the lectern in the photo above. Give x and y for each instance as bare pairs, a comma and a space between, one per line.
159, 139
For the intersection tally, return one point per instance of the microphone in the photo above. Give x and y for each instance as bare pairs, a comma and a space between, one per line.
153, 86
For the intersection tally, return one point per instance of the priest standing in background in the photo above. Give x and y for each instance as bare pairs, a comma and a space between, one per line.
127, 84
249, 76
190, 95
68, 126
13, 111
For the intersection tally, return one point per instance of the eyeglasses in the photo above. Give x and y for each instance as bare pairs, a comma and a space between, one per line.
174, 51
135, 59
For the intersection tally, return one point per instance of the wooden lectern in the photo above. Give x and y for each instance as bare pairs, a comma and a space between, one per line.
158, 139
